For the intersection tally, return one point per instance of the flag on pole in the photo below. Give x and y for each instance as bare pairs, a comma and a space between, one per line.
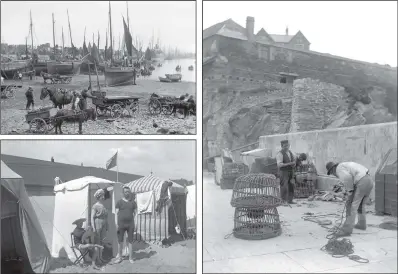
112, 162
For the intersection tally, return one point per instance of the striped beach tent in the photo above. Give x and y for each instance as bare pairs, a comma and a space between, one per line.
153, 226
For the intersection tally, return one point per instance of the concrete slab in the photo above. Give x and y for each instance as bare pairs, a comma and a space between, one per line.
363, 268
300, 242
271, 263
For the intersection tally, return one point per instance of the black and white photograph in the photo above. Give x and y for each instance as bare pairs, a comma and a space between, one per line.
299, 137
98, 67
98, 206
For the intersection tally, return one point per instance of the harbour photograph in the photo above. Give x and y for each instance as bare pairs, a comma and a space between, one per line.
101, 67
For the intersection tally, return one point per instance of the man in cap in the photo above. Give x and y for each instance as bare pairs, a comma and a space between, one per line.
29, 98
359, 183
125, 210
84, 239
286, 161
83, 98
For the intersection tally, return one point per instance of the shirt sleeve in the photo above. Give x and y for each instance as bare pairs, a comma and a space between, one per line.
345, 177
117, 204
279, 159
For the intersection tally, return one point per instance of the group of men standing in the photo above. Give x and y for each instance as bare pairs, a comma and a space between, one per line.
354, 176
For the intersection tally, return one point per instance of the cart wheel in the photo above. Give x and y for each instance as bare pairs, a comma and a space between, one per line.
134, 108
154, 107
10, 92
38, 125
100, 111
180, 113
116, 111
167, 109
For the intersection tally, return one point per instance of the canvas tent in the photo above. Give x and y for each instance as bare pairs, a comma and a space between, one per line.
21, 233
191, 206
152, 226
74, 200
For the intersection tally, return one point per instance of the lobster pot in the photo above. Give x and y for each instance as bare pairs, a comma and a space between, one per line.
233, 170
152, 227
305, 185
256, 191
256, 224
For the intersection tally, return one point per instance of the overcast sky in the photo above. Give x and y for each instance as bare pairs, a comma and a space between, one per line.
172, 159
362, 30
174, 21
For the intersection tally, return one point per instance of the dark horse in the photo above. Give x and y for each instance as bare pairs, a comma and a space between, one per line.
60, 97
187, 106
72, 115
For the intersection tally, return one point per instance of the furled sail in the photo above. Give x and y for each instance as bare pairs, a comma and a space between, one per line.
128, 39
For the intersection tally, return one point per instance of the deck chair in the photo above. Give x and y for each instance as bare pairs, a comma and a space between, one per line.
74, 248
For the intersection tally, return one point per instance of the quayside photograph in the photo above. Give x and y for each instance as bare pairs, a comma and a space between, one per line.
117, 67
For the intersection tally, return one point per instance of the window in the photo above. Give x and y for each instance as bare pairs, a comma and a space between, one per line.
299, 46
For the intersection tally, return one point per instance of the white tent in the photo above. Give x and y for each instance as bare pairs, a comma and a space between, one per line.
73, 200
191, 206
21, 233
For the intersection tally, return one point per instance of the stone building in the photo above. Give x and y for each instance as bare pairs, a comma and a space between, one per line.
231, 29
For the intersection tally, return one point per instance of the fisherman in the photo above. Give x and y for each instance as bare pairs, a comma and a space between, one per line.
134, 75
83, 98
286, 162
359, 184
29, 98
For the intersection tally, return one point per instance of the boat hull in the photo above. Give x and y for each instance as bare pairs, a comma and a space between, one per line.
9, 69
40, 67
64, 68
174, 77
164, 79
118, 76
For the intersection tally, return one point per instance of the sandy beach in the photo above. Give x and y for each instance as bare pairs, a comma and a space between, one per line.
13, 110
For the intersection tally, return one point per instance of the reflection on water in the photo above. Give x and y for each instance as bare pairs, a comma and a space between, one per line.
169, 68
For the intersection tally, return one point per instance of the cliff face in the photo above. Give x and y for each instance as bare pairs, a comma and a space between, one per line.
241, 104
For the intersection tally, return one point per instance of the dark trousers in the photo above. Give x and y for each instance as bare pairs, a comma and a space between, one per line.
287, 187
30, 102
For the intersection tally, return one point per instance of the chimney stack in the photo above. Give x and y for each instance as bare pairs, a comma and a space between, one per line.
52, 159
250, 28
287, 31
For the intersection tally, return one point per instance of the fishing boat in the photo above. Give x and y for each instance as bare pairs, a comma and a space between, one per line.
174, 77
120, 75
164, 79
190, 68
64, 67
8, 69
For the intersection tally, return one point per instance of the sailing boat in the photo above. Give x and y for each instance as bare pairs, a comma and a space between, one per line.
115, 76
65, 67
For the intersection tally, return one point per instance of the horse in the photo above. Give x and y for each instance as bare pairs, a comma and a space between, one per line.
73, 115
186, 106
46, 76
60, 97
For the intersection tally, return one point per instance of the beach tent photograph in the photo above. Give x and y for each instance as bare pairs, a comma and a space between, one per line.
21, 233
73, 200
162, 209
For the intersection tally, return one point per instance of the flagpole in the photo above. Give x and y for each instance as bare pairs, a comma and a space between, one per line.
117, 167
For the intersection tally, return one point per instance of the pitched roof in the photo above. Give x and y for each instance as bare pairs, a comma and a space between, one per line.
42, 173
281, 38
226, 28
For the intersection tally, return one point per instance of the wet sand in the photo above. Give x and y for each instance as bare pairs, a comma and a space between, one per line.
13, 110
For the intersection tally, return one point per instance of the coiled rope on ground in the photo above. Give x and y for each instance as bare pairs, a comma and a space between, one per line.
338, 248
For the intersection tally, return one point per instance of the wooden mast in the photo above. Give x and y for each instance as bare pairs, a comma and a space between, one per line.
54, 35
31, 32
70, 34
110, 29
63, 43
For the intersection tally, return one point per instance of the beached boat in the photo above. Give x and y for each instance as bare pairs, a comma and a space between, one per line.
174, 77
119, 75
164, 79
64, 68
8, 69
190, 68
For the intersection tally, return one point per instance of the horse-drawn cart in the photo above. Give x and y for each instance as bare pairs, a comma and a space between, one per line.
8, 91
169, 105
116, 105
56, 78
40, 121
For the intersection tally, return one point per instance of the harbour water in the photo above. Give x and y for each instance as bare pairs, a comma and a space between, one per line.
168, 67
